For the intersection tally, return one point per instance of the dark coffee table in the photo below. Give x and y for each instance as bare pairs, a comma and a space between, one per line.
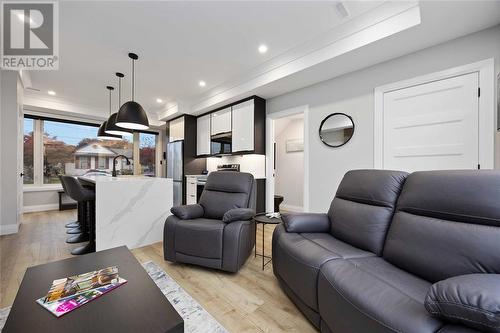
136, 306
263, 219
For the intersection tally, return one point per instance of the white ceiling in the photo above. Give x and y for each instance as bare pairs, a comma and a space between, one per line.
180, 43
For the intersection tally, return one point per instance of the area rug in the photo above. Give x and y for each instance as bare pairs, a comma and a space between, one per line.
196, 319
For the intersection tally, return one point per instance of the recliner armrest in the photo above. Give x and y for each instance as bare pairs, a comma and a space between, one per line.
188, 212
306, 222
238, 214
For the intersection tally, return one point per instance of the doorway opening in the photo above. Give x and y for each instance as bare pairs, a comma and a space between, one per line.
287, 161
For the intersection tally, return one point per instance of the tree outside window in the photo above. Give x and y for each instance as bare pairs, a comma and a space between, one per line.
147, 154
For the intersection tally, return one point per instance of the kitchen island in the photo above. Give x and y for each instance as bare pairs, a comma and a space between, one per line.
130, 210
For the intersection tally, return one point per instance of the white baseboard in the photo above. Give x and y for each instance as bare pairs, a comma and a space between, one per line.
292, 208
9, 229
40, 208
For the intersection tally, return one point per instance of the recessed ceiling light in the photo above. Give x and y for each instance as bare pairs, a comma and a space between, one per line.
263, 48
51, 92
202, 83
159, 100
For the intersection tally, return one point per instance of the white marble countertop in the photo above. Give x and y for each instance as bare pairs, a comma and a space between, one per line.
107, 179
130, 210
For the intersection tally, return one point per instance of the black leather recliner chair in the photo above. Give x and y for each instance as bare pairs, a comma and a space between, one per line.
414, 253
219, 232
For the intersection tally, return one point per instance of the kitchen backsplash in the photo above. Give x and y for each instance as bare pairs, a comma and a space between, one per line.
254, 164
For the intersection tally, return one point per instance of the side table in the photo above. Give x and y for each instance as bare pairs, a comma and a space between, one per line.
263, 219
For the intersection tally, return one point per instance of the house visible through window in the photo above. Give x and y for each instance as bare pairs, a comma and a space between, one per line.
72, 148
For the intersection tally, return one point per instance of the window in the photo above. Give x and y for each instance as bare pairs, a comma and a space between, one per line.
103, 162
147, 154
73, 149
28, 152
55, 147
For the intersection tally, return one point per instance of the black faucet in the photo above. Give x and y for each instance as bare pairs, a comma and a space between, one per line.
114, 163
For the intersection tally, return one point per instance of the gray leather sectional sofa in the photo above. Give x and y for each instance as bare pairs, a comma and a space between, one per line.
406, 253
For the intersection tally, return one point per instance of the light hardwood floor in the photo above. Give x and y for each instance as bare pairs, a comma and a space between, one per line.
249, 301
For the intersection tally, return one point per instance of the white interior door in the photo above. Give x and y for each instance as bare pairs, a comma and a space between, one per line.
432, 126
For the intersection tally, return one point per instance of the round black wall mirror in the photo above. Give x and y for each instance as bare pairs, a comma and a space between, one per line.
336, 130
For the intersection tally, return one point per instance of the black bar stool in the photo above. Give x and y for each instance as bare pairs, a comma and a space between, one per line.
75, 224
87, 198
78, 229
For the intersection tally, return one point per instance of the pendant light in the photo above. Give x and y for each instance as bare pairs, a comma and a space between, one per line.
101, 134
131, 114
111, 127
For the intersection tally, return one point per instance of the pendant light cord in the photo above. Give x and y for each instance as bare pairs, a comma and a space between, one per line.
110, 102
119, 92
133, 78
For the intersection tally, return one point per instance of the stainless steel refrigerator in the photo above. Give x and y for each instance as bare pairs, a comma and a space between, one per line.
175, 169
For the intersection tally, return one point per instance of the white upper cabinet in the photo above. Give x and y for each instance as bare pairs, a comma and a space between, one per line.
243, 127
221, 121
203, 135
176, 129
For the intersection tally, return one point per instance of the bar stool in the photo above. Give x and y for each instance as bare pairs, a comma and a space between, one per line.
82, 235
75, 224
87, 198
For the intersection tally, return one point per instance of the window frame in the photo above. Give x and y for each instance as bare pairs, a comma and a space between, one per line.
38, 148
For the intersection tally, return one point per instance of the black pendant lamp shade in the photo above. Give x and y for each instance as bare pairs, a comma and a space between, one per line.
131, 114
101, 133
111, 127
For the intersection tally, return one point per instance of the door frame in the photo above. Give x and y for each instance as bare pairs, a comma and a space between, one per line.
487, 117
270, 118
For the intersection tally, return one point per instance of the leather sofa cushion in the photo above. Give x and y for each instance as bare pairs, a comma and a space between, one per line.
472, 300
363, 207
200, 238
371, 295
297, 259
229, 181
446, 224
225, 190
436, 249
372, 187
362, 225
469, 196
216, 203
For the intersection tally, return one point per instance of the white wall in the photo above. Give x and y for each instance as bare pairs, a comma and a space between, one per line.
37, 201
9, 134
289, 172
353, 95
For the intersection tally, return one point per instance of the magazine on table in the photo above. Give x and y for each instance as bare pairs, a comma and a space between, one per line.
69, 293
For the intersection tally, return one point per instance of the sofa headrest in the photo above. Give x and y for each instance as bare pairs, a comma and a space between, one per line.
229, 181
372, 187
471, 196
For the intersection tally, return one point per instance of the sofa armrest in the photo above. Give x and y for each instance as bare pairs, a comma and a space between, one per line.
472, 300
188, 212
306, 222
238, 214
